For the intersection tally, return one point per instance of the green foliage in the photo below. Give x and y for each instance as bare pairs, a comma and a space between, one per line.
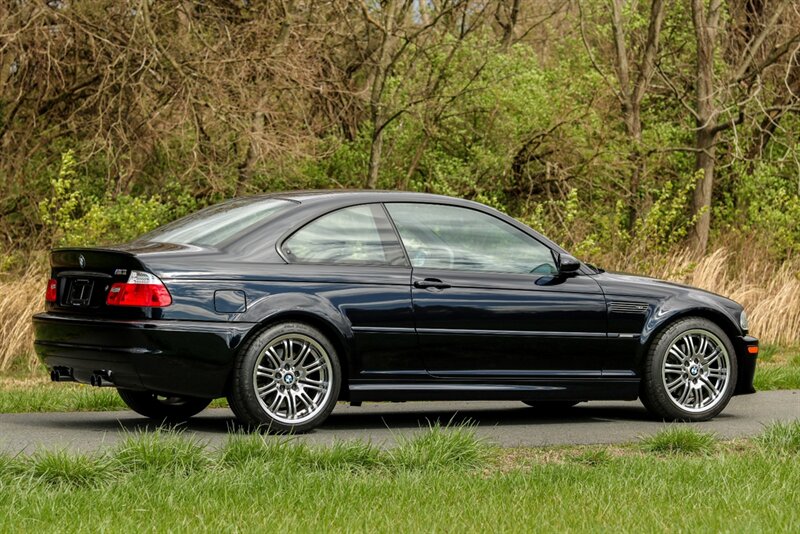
533, 132
666, 222
75, 215
773, 206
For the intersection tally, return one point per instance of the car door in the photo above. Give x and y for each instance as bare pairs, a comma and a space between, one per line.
353, 260
488, 300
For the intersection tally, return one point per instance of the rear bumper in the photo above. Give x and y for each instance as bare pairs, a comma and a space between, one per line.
178, 357
746, 364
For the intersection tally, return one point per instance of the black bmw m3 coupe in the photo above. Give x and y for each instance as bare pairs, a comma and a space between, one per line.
287, 303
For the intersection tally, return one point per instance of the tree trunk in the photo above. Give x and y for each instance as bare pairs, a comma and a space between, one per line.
701, 201
631, 93
705, 23
381, 71
375, 159
253, 152
508, 22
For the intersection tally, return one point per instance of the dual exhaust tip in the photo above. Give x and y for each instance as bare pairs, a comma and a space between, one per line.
101, 378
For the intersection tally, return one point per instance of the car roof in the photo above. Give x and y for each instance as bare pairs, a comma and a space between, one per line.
363, 195
338, 198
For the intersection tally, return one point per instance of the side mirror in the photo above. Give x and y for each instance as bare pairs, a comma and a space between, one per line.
567, 264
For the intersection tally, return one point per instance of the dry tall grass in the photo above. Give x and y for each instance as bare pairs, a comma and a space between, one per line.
20, 297
770, 293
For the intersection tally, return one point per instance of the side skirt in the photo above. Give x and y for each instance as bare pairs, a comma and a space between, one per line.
574, 390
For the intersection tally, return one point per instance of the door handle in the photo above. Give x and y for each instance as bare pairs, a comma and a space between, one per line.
431, 283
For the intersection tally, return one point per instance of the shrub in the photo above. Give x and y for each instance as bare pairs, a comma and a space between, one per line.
76, 215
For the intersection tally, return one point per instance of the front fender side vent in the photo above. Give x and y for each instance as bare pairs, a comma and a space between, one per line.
628, 307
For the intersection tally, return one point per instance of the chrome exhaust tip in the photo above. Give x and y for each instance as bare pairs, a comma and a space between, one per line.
61, 374
101, 379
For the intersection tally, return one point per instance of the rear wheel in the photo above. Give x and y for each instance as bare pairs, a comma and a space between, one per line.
170, 409
286, 379
552, 406
690, 371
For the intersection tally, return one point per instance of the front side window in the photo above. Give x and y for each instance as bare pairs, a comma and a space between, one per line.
449, 237
358, 235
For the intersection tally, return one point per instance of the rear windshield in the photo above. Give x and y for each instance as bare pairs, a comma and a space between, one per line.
218, 223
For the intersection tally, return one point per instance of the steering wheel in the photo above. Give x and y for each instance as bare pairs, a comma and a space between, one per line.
422, 256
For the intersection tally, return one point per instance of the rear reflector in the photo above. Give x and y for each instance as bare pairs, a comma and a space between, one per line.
52, 290
142, 289
752, 349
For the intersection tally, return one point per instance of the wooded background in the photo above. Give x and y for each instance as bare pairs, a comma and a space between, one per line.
621, 128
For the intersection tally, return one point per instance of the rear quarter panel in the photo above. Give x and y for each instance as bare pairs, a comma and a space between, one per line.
366, 310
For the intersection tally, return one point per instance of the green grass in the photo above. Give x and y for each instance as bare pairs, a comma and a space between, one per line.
591, 457
781, 438
58, 468
440, 447
162, 451
47, 397
38, 395
778, 368
257, 483
768, 352
777, 377
276, 452
679, 440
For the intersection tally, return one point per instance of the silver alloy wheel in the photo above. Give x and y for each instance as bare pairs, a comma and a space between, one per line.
292, 378
696, 370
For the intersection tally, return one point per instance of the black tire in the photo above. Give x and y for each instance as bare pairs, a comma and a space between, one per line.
552, 406
251, 409
163, 408
654, 393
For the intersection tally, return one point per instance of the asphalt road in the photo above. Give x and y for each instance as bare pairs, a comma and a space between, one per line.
509, 424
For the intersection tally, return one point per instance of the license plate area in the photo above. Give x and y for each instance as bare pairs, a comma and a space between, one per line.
79, 293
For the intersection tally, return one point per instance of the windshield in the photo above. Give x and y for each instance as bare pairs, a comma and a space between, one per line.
213, 225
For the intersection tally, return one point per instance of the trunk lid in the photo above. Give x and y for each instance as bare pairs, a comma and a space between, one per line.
84, 277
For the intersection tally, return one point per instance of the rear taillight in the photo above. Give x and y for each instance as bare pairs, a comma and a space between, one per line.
52, 291
142, 290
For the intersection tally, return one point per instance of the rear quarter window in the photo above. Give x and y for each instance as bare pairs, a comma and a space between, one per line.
219, 223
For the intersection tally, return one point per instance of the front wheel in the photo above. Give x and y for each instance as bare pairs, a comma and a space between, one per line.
286, 379
166, 408
690, 371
